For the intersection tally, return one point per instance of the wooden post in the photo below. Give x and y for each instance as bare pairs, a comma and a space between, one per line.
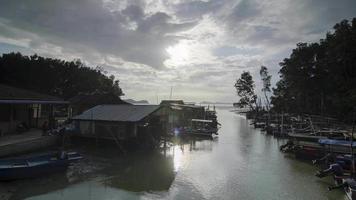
282, 128
51, 117
352, 149
11, 117
115, 139
37, 114
69, 111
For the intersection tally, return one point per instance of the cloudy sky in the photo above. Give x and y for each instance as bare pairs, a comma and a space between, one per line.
198, 47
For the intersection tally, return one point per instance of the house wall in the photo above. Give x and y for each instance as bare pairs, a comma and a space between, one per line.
20, 113
87, 127
34, 115
107, 130
119, 130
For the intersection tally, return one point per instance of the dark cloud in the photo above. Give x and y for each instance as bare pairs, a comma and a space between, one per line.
88, 23
323, 14
245, 9
220, 37
225, 51
191, 10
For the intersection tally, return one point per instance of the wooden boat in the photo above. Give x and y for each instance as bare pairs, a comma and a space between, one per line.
202, 128
198, 128
33, 166
203, 132
314, 147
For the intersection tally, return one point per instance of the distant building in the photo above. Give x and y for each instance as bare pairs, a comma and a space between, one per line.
19, 106
170, 102
134, 102
120, 122
83, 102
176, 113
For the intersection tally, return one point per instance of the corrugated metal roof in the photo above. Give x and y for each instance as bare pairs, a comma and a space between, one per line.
31, 102
123, 113
13, 93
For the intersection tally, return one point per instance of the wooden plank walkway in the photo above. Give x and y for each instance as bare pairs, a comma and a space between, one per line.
18, 138
26, 142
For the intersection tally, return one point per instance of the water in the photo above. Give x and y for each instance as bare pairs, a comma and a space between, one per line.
241, 163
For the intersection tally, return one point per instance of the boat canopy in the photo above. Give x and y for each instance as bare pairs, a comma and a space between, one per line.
336, 142
202, 120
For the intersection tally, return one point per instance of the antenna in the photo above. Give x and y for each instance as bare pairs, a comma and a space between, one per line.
170, 97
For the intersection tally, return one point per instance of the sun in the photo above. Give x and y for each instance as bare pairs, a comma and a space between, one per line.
178, 54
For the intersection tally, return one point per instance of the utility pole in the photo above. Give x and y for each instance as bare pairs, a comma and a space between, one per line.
351, 146
170, 96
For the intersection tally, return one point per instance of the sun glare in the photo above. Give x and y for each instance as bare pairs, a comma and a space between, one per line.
178, 54
177, 158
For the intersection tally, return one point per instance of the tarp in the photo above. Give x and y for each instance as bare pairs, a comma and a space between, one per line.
336, 142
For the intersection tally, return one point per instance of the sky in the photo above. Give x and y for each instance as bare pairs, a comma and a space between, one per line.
198, 48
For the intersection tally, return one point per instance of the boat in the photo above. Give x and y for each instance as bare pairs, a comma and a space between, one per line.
202, 128
32, 166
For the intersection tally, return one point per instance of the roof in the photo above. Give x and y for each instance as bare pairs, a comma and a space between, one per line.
123, 113
10, 94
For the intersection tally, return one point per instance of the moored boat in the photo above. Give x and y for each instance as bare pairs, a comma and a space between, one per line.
201, 127
32, 166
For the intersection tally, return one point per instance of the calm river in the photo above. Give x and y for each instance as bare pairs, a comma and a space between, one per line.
242, 163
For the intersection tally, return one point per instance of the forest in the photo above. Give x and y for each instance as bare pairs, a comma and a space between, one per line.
54, 76
318, 78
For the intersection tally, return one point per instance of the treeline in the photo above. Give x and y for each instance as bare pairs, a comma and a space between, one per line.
319, 78
55, 77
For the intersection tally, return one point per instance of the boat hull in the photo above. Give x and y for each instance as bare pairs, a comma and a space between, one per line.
32, 172
33, 166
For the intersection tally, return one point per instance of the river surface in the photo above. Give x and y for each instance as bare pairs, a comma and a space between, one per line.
241, 163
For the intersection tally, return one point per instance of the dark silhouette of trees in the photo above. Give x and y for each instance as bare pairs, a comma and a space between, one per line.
266, 81
320, 78
55, 77
245, 90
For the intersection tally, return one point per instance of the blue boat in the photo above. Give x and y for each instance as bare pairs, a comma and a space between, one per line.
33, 166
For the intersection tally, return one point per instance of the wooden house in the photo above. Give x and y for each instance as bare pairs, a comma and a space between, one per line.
120, 122
176, 113
31, 109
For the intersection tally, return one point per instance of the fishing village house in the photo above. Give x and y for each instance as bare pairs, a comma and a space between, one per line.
176, 113
22, 113
29, 109
140, 124
135, 124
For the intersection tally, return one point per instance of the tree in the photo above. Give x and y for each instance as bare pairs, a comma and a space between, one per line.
320, 78
55, 77
266, 80
245, 90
